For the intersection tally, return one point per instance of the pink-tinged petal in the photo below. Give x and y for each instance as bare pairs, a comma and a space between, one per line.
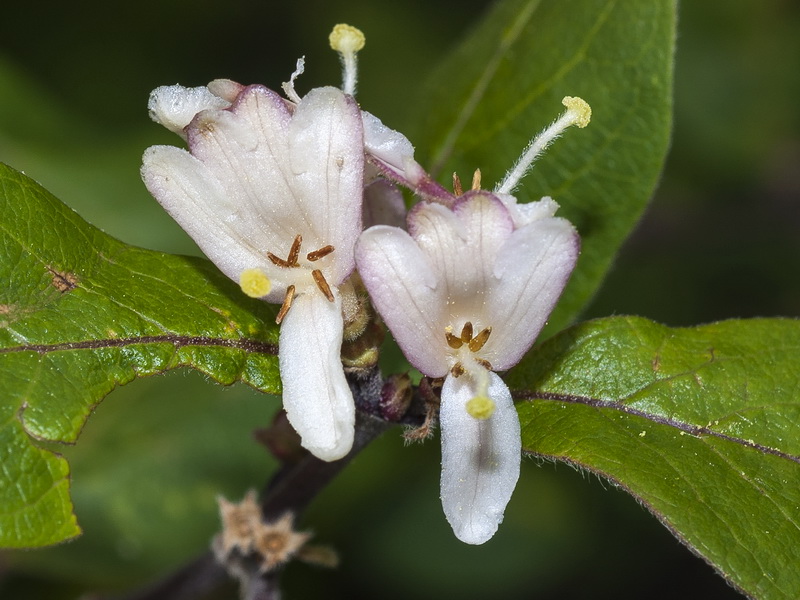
326, 151
383, 205
246, 150
316, 397
533, 268
405, 292
480, 459
462, 244
226, 89
388, 146
201, 206
527, 212
393, 155
174, 106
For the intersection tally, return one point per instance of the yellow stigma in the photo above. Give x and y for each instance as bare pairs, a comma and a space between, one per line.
480, 407
254, 283
580, 109
346, 39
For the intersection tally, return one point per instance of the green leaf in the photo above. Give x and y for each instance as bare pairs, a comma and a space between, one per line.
145, 475
81, 313
702, 425
505, 83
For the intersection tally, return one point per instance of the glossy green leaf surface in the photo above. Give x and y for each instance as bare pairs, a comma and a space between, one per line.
702, 425
145, 474
505, 83
81, 313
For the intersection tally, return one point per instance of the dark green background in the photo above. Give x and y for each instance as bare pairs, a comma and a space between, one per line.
720, 240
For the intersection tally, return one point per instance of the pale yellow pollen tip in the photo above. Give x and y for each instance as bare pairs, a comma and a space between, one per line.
480, 407
580, 109
346, 39
255, 283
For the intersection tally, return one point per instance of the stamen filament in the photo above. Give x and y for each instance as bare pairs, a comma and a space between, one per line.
287, 304
319, 278
288, 86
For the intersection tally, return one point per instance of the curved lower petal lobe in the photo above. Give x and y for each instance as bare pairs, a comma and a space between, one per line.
405, 291
198, 202
480, 459
532, 268
316, 397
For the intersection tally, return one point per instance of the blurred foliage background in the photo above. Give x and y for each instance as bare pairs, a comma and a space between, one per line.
720, 241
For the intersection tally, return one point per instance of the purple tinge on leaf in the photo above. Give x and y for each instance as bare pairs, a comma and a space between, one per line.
465, 292
271, 191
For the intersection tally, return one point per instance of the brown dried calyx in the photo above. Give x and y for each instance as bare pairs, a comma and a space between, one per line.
245, 534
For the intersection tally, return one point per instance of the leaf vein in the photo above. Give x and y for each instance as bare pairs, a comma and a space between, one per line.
693, 430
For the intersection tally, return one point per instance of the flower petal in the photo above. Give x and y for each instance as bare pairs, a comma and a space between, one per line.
462, 244
174, 106
199, 203
527, 212
316, 396
246, 150
480, 459
393, 155
326, 150
388, 146
533, 267
405, 291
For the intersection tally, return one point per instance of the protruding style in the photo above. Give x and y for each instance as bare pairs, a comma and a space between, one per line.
347, 41
578, 113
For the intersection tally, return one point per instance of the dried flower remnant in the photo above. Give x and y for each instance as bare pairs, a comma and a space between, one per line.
245, 533
276, 543
239, 523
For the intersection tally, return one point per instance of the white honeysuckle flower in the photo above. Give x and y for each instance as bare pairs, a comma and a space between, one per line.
465, 293
271, 191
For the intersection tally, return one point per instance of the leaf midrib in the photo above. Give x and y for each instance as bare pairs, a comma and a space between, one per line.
696, 431
178, 341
